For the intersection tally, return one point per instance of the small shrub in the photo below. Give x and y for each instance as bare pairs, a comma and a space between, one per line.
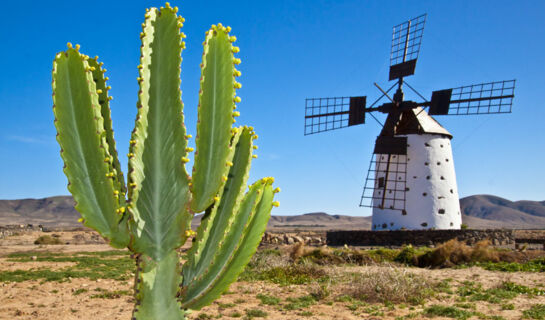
536, 265
389, 284
299, 303
409, 255
508, 306
297, 251
106, 294
449, 312
256, 313
47, 239
79, 291
535, 312
288, 275
268, 300
320, 291
454, 252
521, 289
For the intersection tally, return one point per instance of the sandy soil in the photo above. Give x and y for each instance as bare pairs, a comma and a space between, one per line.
52, 300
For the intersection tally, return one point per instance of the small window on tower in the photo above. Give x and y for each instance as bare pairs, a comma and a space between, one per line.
381, 182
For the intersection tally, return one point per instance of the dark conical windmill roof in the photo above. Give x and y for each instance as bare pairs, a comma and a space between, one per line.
418, 121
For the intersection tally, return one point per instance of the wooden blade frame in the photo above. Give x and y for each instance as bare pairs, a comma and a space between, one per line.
406, 40
326, 114
484, 98
386, 182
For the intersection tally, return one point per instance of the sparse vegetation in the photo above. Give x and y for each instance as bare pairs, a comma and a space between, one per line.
256, 313
389, 285
332, 278
447, 311
268, 266
535, 312
87, 265
107, 294
299, 303
268, 300
79, 291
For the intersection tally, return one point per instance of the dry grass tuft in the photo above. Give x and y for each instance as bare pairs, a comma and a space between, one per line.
389, 284
454, 252
297, 251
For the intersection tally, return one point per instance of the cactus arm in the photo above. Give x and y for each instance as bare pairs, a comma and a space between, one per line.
156, 286
84, 149
104, 101
120, 192
238, 248
158, 183
215, 117
214, 226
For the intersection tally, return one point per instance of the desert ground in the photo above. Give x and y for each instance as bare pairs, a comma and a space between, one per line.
87, 279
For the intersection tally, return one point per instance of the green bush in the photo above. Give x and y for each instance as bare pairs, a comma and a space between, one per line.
47, 239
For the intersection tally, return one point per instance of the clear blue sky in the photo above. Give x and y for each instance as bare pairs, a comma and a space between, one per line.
290, 50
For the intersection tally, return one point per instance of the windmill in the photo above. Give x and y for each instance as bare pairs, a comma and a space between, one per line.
411, 183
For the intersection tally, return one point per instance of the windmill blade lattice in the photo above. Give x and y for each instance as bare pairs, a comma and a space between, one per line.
484, 98
326, 114
406, 41
386, 182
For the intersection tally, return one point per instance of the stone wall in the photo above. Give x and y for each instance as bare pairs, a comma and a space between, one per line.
418, 237
308, 238
10, 230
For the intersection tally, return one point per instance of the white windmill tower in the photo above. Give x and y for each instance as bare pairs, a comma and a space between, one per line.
411, 182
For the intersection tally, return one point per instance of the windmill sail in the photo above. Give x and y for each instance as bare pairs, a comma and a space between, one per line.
326, 114
406, 40
386, 182
484, 98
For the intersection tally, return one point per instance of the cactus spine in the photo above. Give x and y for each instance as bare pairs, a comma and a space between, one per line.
151, 215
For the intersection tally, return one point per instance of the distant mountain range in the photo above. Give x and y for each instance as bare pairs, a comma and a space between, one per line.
479, 212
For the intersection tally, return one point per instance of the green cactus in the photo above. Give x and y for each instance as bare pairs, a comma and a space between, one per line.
152, 214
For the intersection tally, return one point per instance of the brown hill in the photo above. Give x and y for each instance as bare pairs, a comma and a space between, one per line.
511, 214
52, 211
480, 211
